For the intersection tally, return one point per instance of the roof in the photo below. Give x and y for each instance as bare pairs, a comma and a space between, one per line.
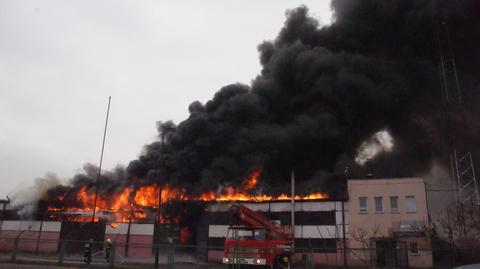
386, 180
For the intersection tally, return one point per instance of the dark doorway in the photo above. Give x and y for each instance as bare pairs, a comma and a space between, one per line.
390, 253
381, 249
401, 254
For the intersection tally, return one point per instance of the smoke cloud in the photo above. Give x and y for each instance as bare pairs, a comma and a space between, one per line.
378, 143
325, 91
27, 198
322, 93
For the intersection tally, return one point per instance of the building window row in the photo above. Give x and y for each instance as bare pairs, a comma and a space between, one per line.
410, 206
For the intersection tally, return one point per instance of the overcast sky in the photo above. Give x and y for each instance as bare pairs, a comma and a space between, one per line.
60, 60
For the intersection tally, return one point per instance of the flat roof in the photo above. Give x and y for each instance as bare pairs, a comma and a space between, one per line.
400, 179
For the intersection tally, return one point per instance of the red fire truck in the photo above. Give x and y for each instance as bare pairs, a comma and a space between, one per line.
254, 240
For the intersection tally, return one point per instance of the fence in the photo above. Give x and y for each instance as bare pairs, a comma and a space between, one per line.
171, 256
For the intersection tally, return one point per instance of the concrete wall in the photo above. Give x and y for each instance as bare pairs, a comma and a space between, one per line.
383, 223
329, 259
140, 240
424, 258
372, 224
215, 255
33, 235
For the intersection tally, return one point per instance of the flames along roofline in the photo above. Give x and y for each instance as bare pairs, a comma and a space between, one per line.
330, 199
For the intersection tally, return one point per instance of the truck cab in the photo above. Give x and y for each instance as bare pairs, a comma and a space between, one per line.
257, 242
245, 245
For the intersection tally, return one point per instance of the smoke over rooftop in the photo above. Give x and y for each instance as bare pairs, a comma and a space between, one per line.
323, 94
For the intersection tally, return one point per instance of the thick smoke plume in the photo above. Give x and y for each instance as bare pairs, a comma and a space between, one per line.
322, 92
27, 198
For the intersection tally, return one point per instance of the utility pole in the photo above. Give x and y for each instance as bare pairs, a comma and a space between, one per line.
101, 160
344, 234
160, 204
293, 210
158, 223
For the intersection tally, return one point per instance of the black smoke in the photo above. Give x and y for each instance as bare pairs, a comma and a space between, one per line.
322, 91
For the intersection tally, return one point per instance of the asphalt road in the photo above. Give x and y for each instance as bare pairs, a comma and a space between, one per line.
29, 266
101, 266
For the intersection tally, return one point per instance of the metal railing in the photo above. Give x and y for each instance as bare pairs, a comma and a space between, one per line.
121, 255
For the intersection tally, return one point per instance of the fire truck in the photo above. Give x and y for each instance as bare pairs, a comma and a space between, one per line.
253, 240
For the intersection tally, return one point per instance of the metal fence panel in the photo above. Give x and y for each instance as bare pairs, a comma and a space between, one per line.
171, 256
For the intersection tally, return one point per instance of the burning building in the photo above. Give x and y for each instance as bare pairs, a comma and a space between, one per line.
142, 215
330, 102
146, 203
346, 98
163, 215
361, 229
350, 96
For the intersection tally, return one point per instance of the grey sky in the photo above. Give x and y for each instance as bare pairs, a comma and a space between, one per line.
60, 60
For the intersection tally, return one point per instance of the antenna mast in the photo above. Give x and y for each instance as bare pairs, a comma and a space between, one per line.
463, 171
101, 160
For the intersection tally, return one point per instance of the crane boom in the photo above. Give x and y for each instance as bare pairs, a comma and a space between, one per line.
253, 239
254, 219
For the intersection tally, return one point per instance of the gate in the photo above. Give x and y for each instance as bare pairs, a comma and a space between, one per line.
401, 256
77, 233
388, 253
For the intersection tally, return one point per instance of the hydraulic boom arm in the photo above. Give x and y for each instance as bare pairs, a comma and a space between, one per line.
254, 219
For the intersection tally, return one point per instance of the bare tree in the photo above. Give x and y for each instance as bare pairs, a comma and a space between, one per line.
364, 237
462, 225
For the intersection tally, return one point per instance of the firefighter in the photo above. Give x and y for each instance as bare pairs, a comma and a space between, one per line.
87, 252
108, 249
283, 261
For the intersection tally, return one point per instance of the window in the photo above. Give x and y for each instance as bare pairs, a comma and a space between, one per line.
410, 204
413, 248
379, 204
250, 234
325, 245
362, 201
394, 204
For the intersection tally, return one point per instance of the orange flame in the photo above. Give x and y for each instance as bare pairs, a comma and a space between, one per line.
242, 193
133, 204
